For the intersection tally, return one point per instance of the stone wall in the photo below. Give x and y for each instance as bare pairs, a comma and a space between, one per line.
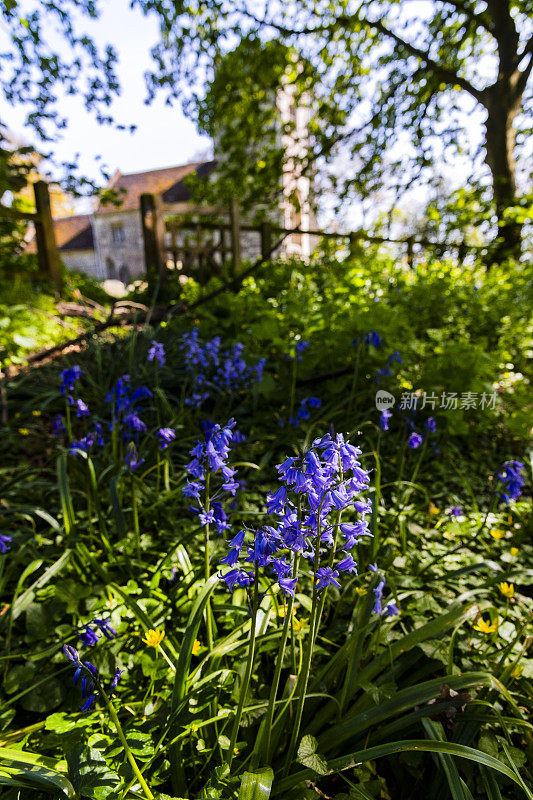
81, 261
119, 244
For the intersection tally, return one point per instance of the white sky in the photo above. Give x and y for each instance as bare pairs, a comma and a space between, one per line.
164, 137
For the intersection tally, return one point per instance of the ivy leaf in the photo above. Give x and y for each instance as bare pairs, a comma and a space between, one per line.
308, 756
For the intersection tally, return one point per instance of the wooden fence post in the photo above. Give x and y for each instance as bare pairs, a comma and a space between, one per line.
152, 222
47, 254
266, 240
235, 235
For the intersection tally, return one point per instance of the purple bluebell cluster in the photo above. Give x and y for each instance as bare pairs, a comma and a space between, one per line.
5, 542
304, 410
90, 637
89, 678
512, 480
157, 353
87, 442
415, 440
68, 378
373, 338
315, 489
385, 371
215, 370
211, 456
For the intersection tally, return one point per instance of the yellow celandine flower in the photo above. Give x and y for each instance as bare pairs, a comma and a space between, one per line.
507, 589
24, 431
486, 627
433, 508
154, 638
299, 624
36, 412
361, 591
197, 646
514, 551
496, 533
517, 671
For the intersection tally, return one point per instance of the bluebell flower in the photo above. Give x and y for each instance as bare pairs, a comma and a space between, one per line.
237, 577
347, 564
512, 480
384, 419
141, 393
392, 610
303, 411
88, 677
299, 349
378, 594
206, 517
157, 353
118, 396
327, 577
5, 542
58, 426
431, 425
81, 409
454, 511
166, 435
415, 440
287, 585
373, 338
134, 422
132, 457
105, 626
88, 636
69, 378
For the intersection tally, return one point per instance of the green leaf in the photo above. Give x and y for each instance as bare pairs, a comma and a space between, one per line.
256, 785
19, 768
308, 756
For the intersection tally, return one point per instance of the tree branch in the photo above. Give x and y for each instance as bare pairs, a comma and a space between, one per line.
520, 78
447, 74
479, 17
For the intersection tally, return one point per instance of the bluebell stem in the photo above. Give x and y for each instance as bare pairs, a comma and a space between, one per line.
93, 689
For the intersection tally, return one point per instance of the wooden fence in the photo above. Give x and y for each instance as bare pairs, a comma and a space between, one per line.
47, 253
197, 240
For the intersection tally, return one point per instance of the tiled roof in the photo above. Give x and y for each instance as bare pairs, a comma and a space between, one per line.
72, 233
129, 187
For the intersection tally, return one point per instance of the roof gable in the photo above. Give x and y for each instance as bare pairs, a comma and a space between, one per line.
129, 187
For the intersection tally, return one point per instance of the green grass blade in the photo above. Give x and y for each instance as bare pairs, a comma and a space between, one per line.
448, 764
391, 748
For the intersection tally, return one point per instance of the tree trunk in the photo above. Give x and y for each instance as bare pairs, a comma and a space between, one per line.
500, 144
